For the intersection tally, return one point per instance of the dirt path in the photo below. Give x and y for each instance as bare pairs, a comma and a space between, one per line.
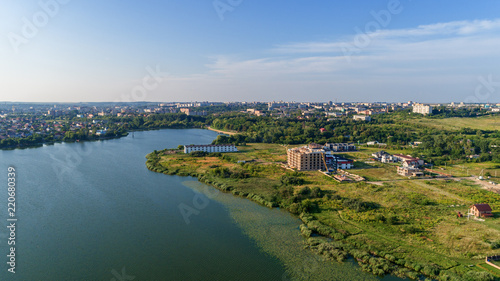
419, 179
440, 191
486, 185
222, 132
483, 183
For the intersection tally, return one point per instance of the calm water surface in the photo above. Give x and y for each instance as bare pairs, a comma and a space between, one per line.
92, 211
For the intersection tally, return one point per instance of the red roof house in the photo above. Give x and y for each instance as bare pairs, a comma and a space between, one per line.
481, 210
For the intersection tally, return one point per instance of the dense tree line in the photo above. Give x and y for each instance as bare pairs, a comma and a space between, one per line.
437, 145
446, 112
295, 131
468, 144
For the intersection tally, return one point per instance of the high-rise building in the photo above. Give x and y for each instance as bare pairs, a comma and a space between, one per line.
422, 109
306, 159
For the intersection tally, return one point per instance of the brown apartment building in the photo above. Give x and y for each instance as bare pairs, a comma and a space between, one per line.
306, 159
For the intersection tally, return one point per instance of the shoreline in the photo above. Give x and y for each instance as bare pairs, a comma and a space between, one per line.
40, 144
323, 240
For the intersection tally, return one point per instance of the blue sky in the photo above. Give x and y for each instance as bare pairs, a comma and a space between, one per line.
75, 50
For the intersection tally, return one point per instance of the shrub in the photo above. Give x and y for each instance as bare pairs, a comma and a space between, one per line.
291, 180
306, 232
220, 171
391, 220
478, 276
307, 205
303, 207
430, 270
304, 192
332, 251
316, 192
412, 275
358, 205
410, 229
294, 208
198, 154
286, 192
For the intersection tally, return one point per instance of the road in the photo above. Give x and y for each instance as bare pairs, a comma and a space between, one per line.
483, 183
421, 179
222, 132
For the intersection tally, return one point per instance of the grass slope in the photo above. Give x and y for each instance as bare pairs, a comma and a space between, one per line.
456, 123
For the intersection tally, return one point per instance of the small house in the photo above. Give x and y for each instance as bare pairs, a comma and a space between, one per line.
344, 163
388, 159
379, 154
481, 210
410, 172
409, 161
384, 157
413, 163
340, 147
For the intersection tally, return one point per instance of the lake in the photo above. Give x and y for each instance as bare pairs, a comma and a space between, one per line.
92, 211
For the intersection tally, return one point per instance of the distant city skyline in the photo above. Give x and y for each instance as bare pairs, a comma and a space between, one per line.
94, 103
125, 51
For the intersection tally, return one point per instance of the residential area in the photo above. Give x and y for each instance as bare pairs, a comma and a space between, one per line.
57, 121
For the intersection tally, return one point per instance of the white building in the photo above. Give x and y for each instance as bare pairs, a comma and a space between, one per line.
384, 157
362, 117
211, 148
422, 109
334, 114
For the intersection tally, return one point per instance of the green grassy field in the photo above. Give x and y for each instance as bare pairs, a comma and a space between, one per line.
489, 268
378, 173
456, 123
429, 206
472, 169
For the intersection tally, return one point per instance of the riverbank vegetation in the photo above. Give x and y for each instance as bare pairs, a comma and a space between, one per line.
408, 228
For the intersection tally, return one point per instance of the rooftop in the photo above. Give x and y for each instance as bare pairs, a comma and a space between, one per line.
208, 145
482, 207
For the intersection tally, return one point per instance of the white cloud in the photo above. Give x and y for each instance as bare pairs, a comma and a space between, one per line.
382, 52
433, 62
420, 33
